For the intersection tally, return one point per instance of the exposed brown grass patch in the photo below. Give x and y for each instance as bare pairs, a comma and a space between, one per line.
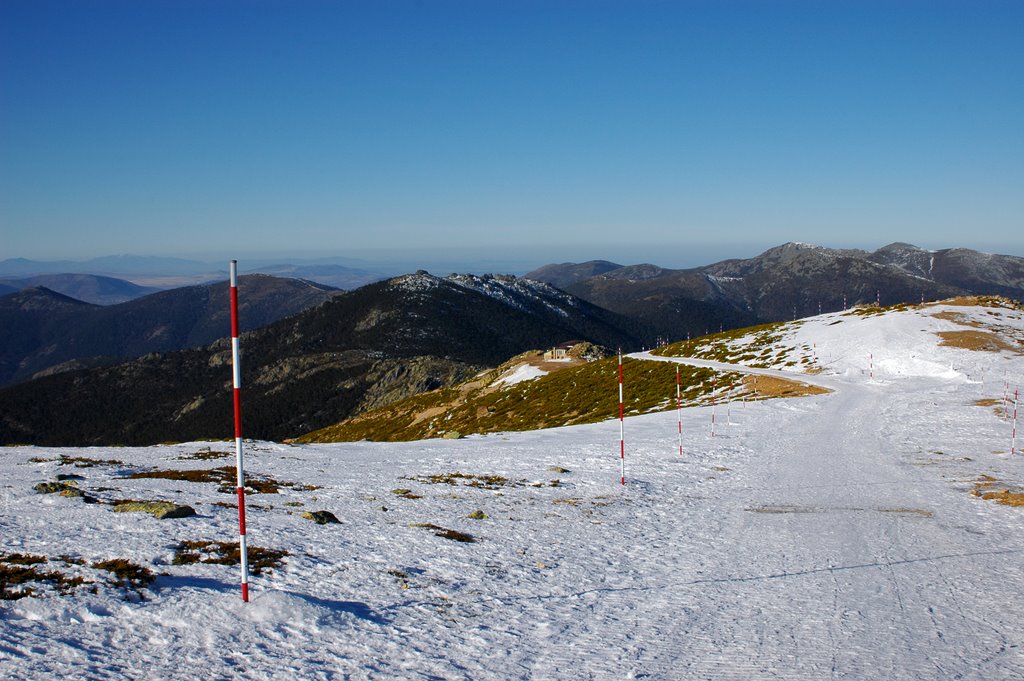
485, 481
445, 533
977, 301
770, 386
991, 489
997, 405
225, 553
957, 318
984, 341
1004, 496
225, 476
22, 575
78, 461
19, 574
24, 559
985, 482
204, 454
126, 574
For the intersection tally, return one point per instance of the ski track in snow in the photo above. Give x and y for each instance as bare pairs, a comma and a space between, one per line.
825, 537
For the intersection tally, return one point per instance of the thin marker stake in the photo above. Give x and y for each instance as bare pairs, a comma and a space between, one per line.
237, 397
728, 404
1006, 397
622, 439
1013, 438
712, 405
679, 411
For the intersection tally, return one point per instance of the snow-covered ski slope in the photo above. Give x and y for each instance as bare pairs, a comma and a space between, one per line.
825, 537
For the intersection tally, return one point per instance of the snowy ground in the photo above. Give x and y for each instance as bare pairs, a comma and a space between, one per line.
523, 372
824, 537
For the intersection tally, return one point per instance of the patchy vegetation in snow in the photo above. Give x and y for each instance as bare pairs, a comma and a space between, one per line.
868, 532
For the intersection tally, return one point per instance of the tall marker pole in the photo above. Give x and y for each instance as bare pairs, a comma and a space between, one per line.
679, 410
622, 439
240, 486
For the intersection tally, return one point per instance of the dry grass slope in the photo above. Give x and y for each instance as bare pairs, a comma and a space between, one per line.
580, 394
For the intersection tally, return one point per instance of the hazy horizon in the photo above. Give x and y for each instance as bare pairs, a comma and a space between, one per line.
469, 260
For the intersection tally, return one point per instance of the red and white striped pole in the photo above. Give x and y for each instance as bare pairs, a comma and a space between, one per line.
871, 366
679, 410
240, 471
622, 439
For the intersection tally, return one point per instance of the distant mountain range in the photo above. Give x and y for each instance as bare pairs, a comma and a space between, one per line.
108, 265
792, 280
338, 276
90, 288
341, 354
45, 331
354, 352
110, 279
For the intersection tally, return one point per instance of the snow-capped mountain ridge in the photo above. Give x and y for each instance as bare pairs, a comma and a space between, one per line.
787, 281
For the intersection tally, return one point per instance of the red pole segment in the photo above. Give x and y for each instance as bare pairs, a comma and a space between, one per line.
622, 439
243, 551
679, 410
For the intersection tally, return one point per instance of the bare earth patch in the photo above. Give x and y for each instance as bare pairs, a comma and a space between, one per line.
957, 318
446, 533
974, 340
991, 489
997, 404
770, 386
974, 301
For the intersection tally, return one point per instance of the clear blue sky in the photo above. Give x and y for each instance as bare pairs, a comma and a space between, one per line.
221, 127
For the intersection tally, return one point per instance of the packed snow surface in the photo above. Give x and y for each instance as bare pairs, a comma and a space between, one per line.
523, 372
832, 536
